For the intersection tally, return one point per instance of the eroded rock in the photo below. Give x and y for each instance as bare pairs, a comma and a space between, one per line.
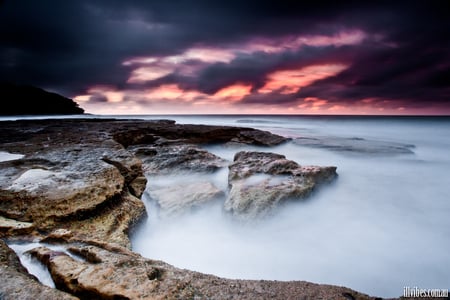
76, 178
10, 227
16, 283
196, 134
175, 200
173, 159
61, 184
186, 162
79, 175
260, 181
125, 275
78, 185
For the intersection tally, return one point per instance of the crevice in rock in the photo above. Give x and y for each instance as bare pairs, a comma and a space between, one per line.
84, 214
133, 176
124, 171
86, 254
154, 273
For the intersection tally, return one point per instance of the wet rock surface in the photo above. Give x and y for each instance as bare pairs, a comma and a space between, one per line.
78, 186
260, 181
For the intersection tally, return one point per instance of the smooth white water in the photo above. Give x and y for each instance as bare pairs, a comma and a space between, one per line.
381, 226
6, 156
32, 265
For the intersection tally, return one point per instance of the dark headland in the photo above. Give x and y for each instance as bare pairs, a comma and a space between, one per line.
30, 100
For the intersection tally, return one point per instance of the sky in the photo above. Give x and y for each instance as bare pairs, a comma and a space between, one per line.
232, 57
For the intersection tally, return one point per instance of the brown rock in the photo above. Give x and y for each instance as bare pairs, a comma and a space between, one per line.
77, 185
172, 159
10, 227
61, 184
127, 275
111, 223
196, 134
260, 181
177, 199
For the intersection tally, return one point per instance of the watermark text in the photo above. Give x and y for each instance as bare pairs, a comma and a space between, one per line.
424, 293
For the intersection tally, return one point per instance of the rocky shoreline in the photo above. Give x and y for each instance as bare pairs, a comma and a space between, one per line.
79, 185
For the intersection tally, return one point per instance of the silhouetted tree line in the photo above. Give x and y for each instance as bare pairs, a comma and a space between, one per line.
29, 100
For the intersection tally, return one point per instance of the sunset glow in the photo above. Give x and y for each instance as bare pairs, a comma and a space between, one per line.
290, 81
234, 92
231, 57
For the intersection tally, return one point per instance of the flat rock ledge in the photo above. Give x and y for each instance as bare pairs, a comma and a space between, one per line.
78, 185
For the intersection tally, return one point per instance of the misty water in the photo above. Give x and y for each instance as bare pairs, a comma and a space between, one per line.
381, 226
32, 265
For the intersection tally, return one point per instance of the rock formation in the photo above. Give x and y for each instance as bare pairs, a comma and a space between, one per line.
259, 181
120, 274
67, 177
177, 199
175, 159
186, 162
78, 186
355, 145
16, 283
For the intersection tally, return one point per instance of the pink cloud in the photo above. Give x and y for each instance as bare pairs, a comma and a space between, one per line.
347, 37
171, 92
290, 81
154, 67
150, 73
233, 92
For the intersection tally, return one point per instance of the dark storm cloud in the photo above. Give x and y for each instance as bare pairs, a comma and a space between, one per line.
414, 73
69, 46
254, 68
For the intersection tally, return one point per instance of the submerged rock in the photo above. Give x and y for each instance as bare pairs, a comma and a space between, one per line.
260, 181
355, 145
187, 162
177, 199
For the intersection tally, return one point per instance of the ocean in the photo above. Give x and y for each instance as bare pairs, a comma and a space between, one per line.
382, 225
